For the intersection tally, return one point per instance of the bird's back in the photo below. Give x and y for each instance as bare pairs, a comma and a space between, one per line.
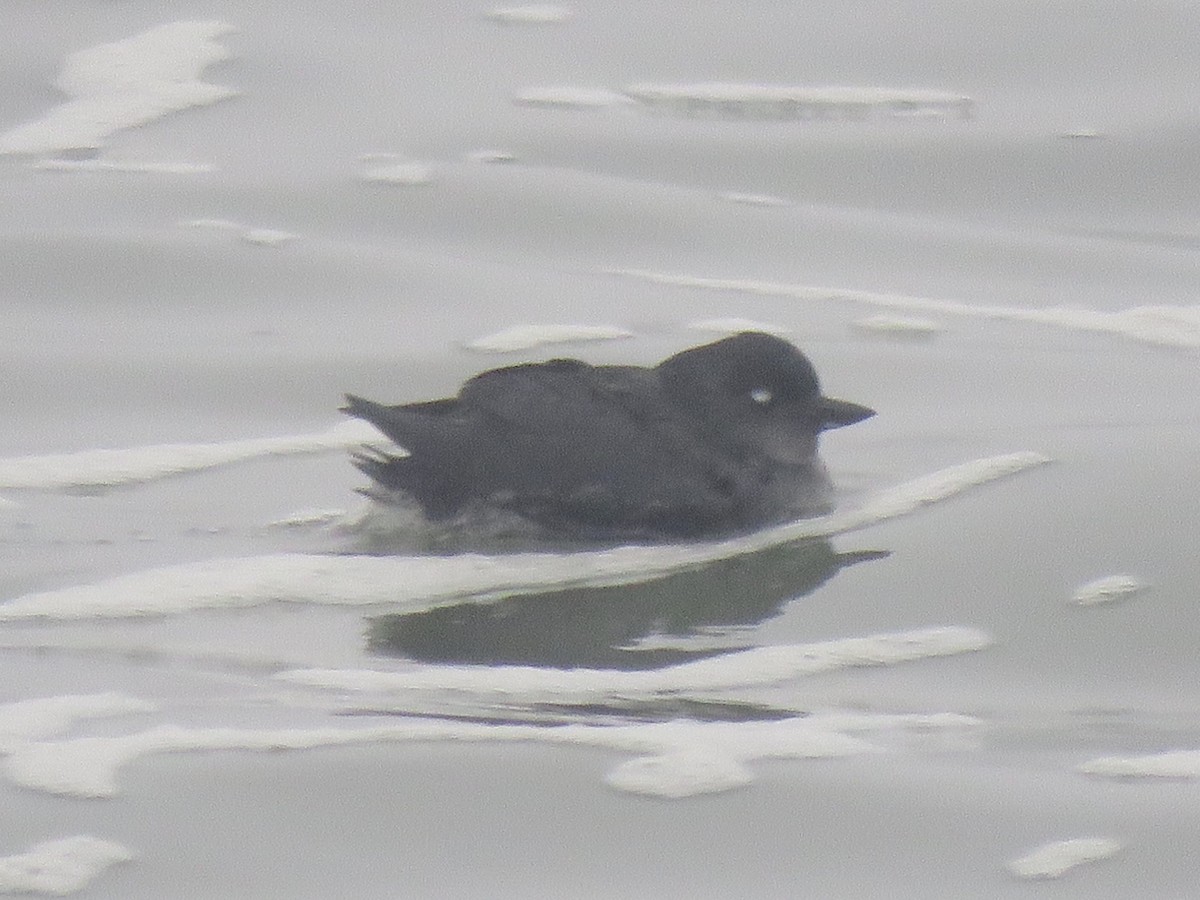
563, 443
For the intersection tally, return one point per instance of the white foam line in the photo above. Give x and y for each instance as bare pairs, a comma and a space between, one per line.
735, 637
734, 325
746, 668
263, 237
136, 168
422, 582
60, 867
759, 101
411, 174
899, 326
1055, 859
571, 97
526, 337
108, 468
1174, 764
753, 199
212, 224
496, 157
531, 14
750, 93
1173, 326
268, 237
124, 84
673, 759
309, 518
27, 720
1110, 589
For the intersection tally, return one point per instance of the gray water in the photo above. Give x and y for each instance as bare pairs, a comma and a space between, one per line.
1024, 239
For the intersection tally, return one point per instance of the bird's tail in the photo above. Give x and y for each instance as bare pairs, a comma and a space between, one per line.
361, 408
385, 469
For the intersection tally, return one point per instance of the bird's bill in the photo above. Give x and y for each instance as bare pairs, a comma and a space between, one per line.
839, 413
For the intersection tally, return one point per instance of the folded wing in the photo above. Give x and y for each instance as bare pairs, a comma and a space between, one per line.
563, 443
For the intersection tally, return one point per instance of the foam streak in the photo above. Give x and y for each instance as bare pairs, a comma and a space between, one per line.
423, 582
27, 720
59, 867
1172, 765
672, 759
125, 84
1055, 859
747, 668
96, 470
527, 337
1171, 326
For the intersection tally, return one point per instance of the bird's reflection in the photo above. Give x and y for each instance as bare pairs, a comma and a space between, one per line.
635, 626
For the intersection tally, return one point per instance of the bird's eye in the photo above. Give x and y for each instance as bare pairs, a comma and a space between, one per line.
761, 396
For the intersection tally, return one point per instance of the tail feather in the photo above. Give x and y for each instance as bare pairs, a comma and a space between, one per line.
387, 419
393, 475
361, 408
420, 428
434, 442
383, 468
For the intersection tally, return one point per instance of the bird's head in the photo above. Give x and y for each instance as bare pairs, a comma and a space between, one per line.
758, 394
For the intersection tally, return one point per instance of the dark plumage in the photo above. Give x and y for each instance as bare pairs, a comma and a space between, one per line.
713, 440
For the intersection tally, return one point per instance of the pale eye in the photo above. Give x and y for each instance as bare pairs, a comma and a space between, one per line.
761, 396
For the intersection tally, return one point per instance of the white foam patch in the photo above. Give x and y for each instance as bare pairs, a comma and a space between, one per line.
1055, 859
5, 503
212, 224
136, 168
735, 325
673, 759
27, 720
531, 14
406, 173
569, 97
753, 199
678, 775
125, 84
1175, 764
268, 237
309, 518
709, 638
526, 337
1111, 589
899, 326
91, 470
422, 582
60, 867
261, 237
797, 102
1173, 326
490, 156
746, 668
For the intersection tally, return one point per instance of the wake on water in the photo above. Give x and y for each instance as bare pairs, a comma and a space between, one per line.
414, 582
712, 733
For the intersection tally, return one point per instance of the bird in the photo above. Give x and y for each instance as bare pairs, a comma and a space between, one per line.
713, 441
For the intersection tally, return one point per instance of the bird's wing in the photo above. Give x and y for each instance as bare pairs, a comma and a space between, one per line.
572, 443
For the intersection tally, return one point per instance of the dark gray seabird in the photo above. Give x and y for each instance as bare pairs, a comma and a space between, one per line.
714, 440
